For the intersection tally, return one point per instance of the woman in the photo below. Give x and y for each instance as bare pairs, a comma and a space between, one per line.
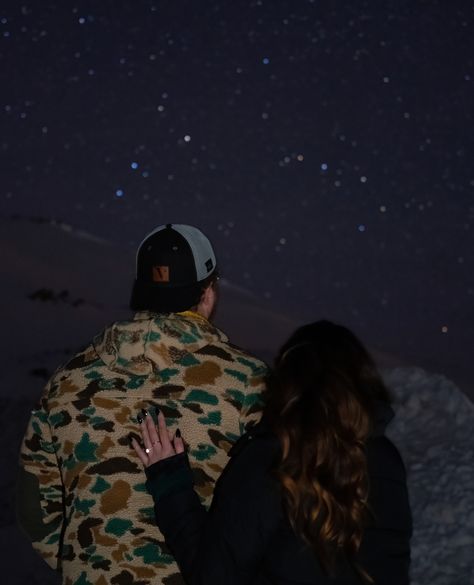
313, 494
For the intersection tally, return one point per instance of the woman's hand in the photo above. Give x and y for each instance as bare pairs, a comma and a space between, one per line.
157, 440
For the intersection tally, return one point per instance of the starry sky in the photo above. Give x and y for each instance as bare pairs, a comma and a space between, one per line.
325, 147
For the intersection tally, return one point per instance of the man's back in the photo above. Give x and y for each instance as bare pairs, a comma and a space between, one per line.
97, 519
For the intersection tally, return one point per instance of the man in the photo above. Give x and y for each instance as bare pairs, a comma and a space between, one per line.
81, 494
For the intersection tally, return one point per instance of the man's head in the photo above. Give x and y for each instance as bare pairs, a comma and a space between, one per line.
175, 271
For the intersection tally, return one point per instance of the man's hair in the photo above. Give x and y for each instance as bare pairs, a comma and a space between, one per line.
146, 297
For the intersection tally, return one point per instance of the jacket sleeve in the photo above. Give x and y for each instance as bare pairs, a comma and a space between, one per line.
224, 545
39, 498
252, 405
385, 549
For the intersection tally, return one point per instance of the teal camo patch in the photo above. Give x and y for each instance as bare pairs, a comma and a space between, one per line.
167, 374
48, 446
118, 526
89, 411
152, 336
188, 360
82, 580
238, 375
152, 553
59, 418
187, 338
85, 449
237, 396
253, 399
100, 486
107, 384
41, 415
147, 512
213, 418
54, 538
84, 506
256, 368
201, 396
203, 452
135, 382
35, 426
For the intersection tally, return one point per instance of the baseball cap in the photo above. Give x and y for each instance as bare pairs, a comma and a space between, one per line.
172, 263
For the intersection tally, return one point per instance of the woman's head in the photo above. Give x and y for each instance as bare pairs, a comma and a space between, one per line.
321, 402
324, 367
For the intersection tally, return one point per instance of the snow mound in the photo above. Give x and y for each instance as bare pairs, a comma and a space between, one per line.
433, 430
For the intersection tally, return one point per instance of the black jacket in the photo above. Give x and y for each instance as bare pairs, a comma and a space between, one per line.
246, 538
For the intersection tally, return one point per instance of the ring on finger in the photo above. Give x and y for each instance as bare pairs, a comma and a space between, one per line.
148, 450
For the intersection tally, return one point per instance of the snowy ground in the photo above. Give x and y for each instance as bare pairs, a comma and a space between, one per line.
434, 432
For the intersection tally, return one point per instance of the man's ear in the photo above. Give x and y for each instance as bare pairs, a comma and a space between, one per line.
208, 301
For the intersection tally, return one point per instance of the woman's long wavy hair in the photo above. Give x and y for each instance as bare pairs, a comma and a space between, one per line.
321, 403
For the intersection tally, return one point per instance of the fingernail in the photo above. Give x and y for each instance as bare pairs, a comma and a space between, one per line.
139, 419
178, 434
157, 410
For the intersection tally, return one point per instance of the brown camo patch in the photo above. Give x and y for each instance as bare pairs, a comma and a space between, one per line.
106, 403
204, 491
142, 572
102, 538
72, 474
123, 415
257, 381
68, 447
67, 386
117, 554
48, 478
84, 481
105, 446
203, 374
116, 497
47, 555
162, 351
101, 580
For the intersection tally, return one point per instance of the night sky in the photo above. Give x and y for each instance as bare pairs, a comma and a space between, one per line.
326, 148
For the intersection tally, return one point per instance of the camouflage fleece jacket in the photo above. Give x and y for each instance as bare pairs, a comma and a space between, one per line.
81, 494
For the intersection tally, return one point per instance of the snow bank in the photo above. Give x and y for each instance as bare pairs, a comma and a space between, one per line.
433, 429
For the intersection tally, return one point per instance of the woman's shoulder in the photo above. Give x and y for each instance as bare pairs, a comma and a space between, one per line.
258, 441
384, 459
251, 461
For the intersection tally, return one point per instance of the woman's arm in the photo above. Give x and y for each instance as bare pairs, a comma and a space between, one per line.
178, 511
224, 546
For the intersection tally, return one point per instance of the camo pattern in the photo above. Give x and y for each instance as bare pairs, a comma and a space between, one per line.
92, 484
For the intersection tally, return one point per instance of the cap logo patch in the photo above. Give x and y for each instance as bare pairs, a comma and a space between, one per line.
161, 273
